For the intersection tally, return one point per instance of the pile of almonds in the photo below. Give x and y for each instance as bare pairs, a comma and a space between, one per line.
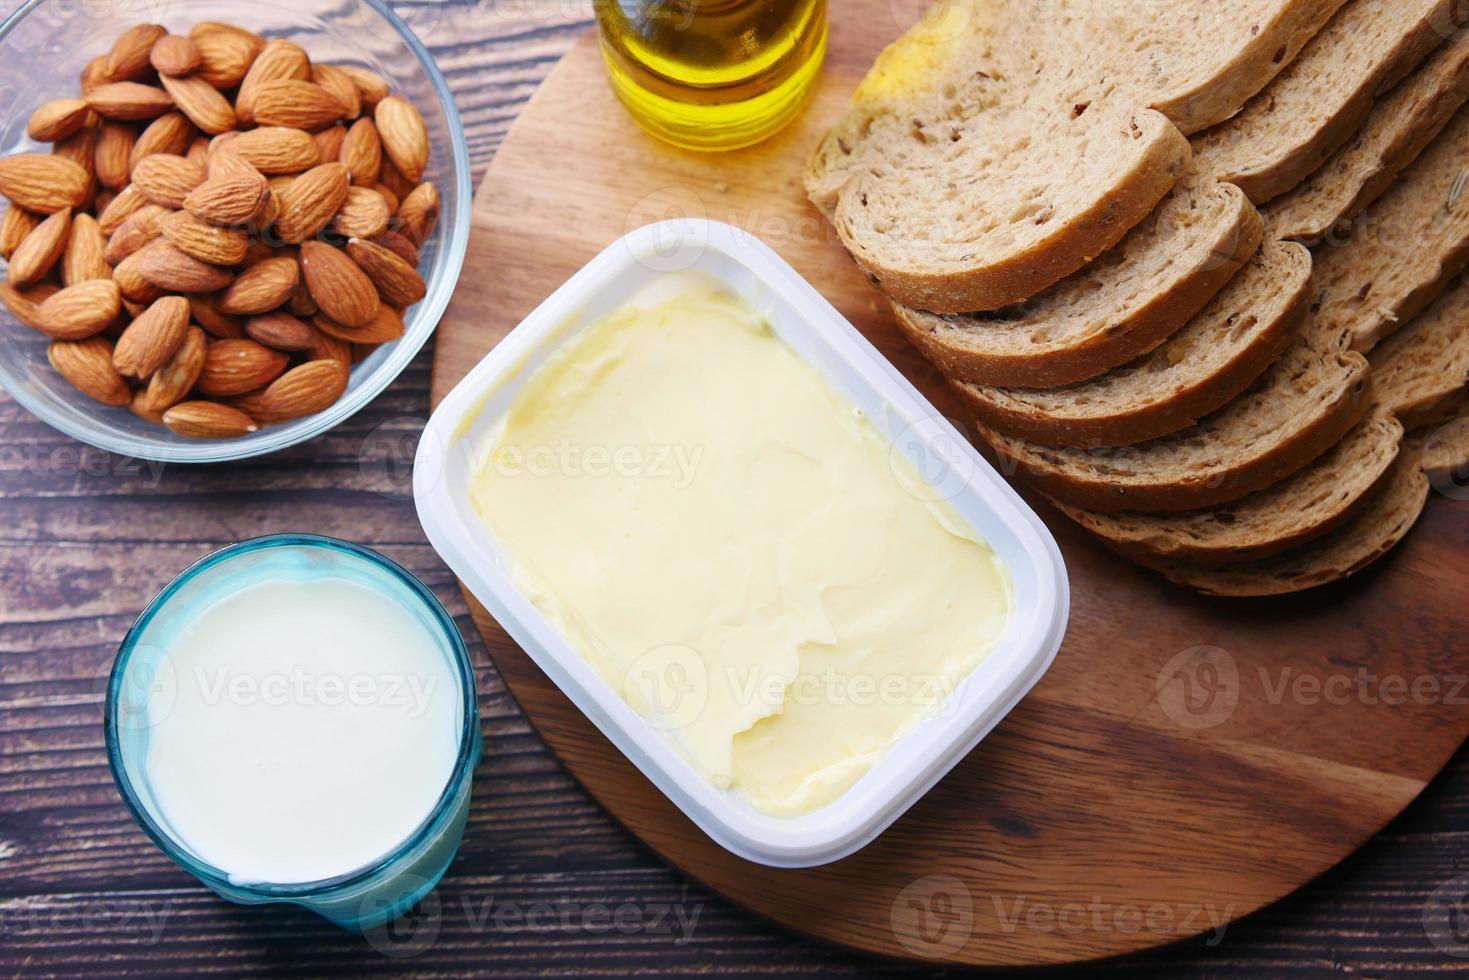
221, 230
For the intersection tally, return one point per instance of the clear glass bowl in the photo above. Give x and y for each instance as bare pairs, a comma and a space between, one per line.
44, 46
360, 899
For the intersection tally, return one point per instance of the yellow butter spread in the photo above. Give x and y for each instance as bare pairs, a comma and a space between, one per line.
734, 547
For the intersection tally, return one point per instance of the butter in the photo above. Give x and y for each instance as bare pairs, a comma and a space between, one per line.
734, 547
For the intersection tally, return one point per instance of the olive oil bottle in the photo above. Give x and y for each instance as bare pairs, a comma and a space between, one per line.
713, 74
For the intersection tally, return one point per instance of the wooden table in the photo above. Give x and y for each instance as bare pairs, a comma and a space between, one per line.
546, 884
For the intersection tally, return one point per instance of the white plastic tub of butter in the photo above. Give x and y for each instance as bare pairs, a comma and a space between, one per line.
741, 542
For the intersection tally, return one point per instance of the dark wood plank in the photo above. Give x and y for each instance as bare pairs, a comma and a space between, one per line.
78, 883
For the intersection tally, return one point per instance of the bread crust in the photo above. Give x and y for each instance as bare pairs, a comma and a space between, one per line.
1019, 275
1209, 101
1149, 325
1194, 491
1182, 408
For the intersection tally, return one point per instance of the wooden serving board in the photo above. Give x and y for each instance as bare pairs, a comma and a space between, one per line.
1186, 760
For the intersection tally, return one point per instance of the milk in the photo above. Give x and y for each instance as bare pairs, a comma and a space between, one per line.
301, 729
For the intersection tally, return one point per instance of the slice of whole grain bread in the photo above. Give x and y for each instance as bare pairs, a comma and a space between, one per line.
1196, 371
1315, 105
1405, 248
1370, 533
997, 148
1401, 125
1313, 502
1298, 409
1120, 306
1421, 371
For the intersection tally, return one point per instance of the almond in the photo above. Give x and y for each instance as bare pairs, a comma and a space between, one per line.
128, 59
226, 52
258, 252
162, 264
202, 103
128, 202
87, 364
370, 85
25, 304
362, 153
43, 183
262, 287
208, 420
224, 162
363, 215
95, 74
198, 152
394, 181
281, 331
79, 148
279, 60
339, 287
206, 312
341, 86
389, 197
57, 119
167, 179
329, 142
385, 325
175, 379
176, 56
169, 133
150, 340
397, 282
419, 211
17, 224
134, 286
79, 311
129, 100
228, 201
404, 136
205, 242
142, 407
277, 149
233, 367
294, 103
84, 257
310, 203
138, 230
397, 242
304, 390
40, 250
111, 157
330, 348
301, 303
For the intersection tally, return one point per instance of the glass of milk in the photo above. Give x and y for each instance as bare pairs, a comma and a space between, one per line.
293, 719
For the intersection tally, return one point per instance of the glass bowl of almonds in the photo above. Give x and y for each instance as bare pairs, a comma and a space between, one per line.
225, 229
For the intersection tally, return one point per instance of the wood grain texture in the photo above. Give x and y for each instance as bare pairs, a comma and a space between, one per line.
86, 538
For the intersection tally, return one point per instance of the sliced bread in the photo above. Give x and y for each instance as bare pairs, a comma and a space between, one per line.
1404, 249
1421, 371
1446, 457
997, 148
1313, 502
1298, 409
1315, 105
1369, 534
1401, 125
1196, 371
1117, 308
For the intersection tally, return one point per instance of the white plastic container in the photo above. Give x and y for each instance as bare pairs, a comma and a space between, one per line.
821, 335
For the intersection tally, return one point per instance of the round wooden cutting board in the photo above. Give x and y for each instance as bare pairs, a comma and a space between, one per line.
1186, 760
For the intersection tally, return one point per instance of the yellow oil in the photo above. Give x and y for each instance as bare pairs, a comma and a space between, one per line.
713, 74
